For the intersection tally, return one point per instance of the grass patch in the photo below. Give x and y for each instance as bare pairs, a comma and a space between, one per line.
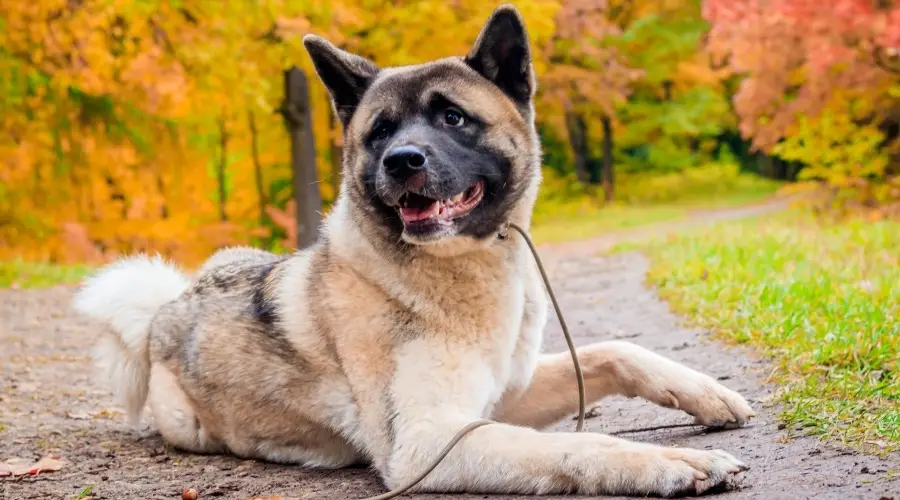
594, 221
84, 493
568, 210
21, 274
823, 300
568, 223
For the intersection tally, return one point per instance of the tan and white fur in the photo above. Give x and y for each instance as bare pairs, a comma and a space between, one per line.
389, 335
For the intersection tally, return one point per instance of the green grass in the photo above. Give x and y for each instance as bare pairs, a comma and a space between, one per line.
84, 493
591, 222
568, 223
20, 274
822, 300
568, 210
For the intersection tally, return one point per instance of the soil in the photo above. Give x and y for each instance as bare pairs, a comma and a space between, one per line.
50, 404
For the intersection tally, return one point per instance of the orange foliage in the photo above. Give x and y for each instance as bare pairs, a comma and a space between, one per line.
151, 126
112, 129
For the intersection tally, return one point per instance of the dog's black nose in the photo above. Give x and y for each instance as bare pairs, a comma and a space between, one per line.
403, 162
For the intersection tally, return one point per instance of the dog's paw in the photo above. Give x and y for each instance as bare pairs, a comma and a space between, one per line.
711, 403
683, 471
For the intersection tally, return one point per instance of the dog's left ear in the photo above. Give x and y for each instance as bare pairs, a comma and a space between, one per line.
502, 55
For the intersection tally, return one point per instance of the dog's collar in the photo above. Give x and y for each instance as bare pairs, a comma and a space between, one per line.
504, 231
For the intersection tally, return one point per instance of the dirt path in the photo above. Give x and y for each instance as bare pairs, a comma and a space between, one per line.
49, 403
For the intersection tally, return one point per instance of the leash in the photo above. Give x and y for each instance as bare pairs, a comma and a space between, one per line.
579, 378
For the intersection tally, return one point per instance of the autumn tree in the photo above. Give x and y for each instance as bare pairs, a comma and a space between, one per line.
588, 78
144, 110
817, 82
679, 108
152, 126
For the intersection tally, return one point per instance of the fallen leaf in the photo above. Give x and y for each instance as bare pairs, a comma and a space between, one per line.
22, 467
14, 467
108, 413
78, 416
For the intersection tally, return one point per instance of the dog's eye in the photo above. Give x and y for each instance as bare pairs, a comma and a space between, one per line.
454, 117
381, 132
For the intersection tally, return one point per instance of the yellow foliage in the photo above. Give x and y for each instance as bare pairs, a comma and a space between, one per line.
115, 114
846, 157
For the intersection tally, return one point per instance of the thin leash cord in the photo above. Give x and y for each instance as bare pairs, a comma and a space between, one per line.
579, 377
434, 463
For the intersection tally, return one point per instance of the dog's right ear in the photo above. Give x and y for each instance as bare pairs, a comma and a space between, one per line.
345, 75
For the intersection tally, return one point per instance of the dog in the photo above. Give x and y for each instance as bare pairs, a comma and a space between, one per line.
409, 318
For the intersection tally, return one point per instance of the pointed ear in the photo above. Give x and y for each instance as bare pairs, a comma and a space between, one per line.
502, 55
345, 75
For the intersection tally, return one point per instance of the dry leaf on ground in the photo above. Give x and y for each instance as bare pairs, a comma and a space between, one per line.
22, 467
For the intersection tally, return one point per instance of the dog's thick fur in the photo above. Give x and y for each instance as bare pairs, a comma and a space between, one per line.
389, 335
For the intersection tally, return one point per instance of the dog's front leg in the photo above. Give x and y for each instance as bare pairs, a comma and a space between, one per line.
626, 369
437, 392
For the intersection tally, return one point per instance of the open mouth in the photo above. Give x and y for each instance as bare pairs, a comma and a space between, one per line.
415, 208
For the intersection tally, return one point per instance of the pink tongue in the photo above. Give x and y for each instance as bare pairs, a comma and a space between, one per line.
416, 214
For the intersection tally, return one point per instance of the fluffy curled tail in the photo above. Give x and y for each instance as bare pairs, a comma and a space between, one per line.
126, 295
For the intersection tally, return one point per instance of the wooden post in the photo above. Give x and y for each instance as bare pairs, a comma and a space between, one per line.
261, 200
608, 175
298, 119
220, 171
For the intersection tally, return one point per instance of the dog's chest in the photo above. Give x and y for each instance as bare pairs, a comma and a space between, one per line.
516, 338
526, 337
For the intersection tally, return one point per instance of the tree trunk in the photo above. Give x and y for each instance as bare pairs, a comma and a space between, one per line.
161, 185
257, 169
764, 165
608, 174
337, 152
578, 142
220, 171
667, 90
298, 117
694, 144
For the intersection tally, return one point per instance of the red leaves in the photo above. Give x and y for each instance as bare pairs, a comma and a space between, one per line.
891, 36
22, 467
799, 49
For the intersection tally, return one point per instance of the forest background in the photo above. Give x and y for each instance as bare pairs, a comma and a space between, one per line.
152, 125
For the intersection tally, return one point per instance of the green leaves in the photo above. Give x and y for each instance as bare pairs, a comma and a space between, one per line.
658, 44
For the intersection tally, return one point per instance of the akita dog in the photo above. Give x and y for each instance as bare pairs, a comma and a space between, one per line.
410, 318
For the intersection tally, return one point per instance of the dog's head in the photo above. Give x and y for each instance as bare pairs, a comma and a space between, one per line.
441, 152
